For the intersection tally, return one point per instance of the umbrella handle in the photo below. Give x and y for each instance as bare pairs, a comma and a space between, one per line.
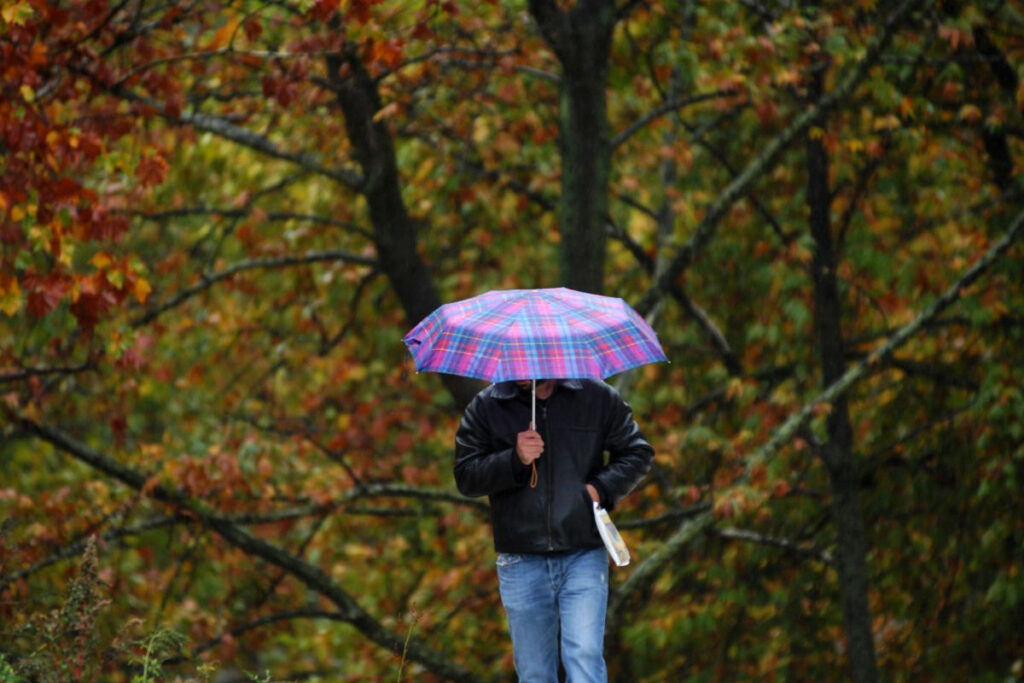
533, 425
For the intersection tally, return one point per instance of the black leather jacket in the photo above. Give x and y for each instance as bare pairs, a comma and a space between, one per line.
579, 422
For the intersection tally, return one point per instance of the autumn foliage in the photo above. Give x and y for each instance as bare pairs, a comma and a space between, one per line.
217, 221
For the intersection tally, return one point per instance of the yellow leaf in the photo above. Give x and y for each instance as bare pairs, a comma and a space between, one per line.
481, 131
16, 13
425, 170
886, 122
816, 132
386, 112
27, 93
734, 389
907, 108
67, 252
970, 113
788, 77
224, 34
10, 295
17, 213
101, 260
142, 290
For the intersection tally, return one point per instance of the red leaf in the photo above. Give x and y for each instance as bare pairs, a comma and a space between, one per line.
252, 27
152, 170
323, 9
360, 10
119, 425
45, 294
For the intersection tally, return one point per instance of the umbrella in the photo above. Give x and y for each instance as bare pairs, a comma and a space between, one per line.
531, 334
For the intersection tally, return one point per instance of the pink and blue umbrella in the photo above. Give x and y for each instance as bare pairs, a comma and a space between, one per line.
530, 334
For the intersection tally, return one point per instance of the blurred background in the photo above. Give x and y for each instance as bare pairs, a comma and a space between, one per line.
219, 218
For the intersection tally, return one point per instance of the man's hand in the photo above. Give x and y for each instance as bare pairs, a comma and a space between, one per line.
594, 495
529, 446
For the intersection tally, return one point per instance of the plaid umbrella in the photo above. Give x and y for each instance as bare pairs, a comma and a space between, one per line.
531, 334
522, 334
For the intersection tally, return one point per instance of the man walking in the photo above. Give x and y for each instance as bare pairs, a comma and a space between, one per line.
541, 481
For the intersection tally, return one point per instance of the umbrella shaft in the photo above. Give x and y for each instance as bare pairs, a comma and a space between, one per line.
533, 407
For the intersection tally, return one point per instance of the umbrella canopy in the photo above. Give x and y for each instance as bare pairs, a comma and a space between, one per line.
522, 334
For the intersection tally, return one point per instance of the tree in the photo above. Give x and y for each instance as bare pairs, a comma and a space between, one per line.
219, 221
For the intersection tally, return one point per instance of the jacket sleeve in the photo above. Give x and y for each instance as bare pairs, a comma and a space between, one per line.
479, 470
630, 456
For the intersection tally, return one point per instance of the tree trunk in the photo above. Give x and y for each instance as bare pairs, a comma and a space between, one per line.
851, 551
394, 230
581, 38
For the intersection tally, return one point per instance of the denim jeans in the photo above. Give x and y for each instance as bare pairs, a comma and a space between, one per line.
552, 598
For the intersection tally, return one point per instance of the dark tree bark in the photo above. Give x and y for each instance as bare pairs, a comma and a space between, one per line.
394, 230
997, 147
581, 39
847, 515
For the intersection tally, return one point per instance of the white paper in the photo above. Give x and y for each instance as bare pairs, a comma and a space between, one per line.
610, 535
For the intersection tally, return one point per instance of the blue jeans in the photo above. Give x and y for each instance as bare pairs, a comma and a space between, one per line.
550, 595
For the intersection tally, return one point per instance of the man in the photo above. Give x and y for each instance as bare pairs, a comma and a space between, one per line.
541, 479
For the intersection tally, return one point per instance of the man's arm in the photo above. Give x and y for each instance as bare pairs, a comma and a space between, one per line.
479, 471
630, 454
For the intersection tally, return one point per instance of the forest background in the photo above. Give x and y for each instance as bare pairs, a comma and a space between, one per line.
220, 217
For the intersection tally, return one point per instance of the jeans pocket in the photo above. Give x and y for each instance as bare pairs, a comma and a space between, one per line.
508, 559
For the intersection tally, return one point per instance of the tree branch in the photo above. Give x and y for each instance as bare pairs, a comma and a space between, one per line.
766, 161
77, 547
648, 570
313, 577
258, 622
667, 108
158, 216
25, 373
735, 534
208, 280
857, 372
243, 136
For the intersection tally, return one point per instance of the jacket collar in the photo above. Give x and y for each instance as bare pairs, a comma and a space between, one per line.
507, 390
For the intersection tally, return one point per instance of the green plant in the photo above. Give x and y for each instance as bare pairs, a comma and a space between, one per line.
7, 672
155, 648
414, 619
67, 637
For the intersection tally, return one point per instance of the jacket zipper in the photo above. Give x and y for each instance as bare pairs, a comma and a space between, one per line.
549, 472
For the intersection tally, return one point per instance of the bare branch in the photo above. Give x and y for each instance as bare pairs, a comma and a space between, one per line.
735, 534
25, 373
242, 213
696, 313
208, 280
668, 108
